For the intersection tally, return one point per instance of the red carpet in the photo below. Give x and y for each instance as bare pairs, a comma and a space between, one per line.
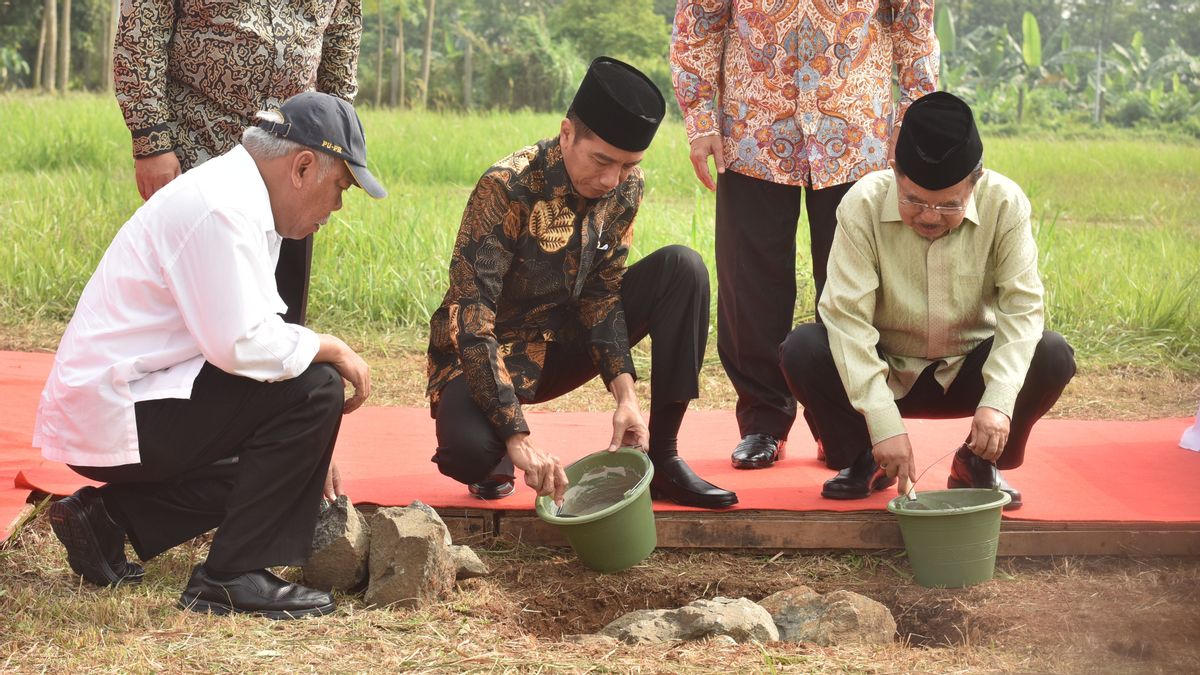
1075, 471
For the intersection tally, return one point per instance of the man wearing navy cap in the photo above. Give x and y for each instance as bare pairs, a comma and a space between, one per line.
179, 386
540, 301
933, 308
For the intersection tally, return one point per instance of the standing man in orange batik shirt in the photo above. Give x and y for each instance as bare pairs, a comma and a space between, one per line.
805, 104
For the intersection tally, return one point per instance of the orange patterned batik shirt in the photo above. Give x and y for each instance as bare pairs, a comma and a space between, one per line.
805, 88
534, 263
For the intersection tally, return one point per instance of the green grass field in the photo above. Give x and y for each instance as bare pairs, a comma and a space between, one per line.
1116, 220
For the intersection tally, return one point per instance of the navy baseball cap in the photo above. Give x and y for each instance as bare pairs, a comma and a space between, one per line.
327, 124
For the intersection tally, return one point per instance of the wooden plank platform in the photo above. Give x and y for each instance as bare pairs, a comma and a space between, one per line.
844, 531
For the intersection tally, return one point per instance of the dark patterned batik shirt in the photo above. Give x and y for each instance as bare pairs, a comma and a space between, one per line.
189, 74
534, 263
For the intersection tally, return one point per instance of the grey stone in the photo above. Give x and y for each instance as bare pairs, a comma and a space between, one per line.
467, 563
643, 626
740, 620
341, 543
723, 641
428, 510
837, 618
410, 563
591, 640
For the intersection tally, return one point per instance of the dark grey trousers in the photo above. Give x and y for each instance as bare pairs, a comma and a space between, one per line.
807, 363
756, 287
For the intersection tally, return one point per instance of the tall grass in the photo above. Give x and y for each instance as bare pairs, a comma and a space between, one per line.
1117, 221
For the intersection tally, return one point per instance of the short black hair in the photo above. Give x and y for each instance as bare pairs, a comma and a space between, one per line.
580, 127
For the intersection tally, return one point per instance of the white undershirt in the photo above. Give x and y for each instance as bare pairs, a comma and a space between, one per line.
190, 278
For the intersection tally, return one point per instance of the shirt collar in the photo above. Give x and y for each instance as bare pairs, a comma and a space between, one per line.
254, 183
891, 204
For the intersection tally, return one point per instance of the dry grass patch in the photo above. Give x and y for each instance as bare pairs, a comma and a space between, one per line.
1039, 615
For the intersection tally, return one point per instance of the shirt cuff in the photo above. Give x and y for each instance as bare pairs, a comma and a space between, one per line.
307, 346
612, 365
702, 123
151, 141
1001, 397
884, 423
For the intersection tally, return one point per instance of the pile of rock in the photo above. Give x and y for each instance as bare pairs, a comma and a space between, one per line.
796, 615
403, 555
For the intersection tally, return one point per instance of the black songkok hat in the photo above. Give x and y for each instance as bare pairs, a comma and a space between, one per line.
620, 104
938, 144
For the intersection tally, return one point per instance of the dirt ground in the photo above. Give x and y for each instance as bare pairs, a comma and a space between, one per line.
1064, 614
1079, 615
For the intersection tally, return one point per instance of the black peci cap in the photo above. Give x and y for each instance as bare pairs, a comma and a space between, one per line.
328, 124
938, 144
620, 104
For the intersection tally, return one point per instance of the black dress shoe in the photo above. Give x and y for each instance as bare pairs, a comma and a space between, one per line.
858, 481
258, 592
95, 544
492, 488
675, 481
971, 471
756, 451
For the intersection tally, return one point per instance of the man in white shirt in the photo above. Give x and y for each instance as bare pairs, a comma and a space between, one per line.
179, 386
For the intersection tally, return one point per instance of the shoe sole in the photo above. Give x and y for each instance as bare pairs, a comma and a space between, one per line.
879, 484
752, 465
955, 484
201, 606
721, 504
83, 551
489, 496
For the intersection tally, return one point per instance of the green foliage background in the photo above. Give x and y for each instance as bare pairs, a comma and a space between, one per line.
1114, 212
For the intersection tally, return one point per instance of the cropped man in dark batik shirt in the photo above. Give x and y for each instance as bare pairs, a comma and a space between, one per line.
540, 301
190, 74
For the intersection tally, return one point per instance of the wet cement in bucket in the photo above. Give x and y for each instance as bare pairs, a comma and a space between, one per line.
597, 490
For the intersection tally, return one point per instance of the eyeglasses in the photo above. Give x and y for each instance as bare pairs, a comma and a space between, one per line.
939, 209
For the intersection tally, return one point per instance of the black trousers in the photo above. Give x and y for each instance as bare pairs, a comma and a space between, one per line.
665, 296
756, 287
292, 275
263, 502
807, 363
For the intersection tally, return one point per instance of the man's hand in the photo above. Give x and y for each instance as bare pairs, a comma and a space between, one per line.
350, 365
895, 456
154, 172
628, 427
543, 471
989, 433
703, 148
333, 483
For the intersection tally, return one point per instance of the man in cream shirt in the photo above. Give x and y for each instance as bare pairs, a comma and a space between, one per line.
933, 308
178, 385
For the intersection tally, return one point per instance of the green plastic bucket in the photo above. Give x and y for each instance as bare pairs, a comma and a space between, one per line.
951, 535
621, 534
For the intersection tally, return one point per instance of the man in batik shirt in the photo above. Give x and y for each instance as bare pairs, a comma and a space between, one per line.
540, 302
805, 93
190, 74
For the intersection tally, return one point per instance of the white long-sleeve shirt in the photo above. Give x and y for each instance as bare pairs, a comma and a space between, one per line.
190, 278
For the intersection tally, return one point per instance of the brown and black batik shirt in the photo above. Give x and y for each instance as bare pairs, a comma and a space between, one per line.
534, 263
189, 74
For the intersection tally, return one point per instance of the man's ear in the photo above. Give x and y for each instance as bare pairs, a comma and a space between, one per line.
566, 131
304, 168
